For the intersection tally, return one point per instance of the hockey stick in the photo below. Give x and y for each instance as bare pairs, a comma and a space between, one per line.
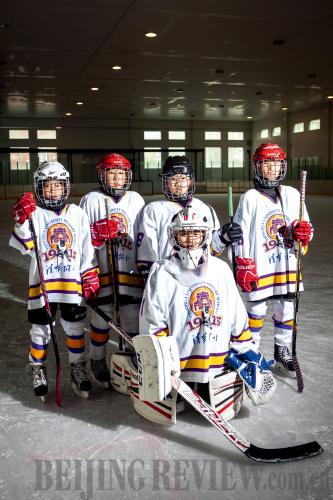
299, 377
250, 450
48, 310
112, 263
231, 215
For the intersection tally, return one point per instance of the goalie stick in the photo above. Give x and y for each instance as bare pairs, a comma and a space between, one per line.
250, 450
48, 310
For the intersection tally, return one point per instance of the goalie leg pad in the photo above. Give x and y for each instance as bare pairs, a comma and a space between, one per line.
226, 393
158, 412
122, 365
158, 358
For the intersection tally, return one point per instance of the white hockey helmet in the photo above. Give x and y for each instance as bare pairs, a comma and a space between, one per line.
190, 234
51, 171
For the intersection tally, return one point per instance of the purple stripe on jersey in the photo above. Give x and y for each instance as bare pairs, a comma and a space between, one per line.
89, 269
237, 336
21, 241
160, 330
236, 341
205, 357
61, 280
39, 347
274, 285
202, 369
56, 291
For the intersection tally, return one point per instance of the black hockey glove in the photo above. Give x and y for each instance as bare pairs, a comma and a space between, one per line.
231, 233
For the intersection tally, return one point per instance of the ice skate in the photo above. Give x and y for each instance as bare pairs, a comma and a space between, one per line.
283, 360
80, 381
39, 380
100, 372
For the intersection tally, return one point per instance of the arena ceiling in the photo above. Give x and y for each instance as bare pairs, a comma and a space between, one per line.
211, 59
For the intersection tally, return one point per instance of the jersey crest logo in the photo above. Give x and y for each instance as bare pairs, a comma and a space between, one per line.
59, 236
202, 300
121, 220
273, 224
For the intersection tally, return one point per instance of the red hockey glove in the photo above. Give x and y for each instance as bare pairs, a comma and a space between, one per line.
103, 230
301, 231
90, 284
24, 207
246, 274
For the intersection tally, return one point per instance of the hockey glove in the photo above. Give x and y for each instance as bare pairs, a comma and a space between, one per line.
90, 285
301, 231
246, 274
231, 233
249, 365
104, 230
24, 207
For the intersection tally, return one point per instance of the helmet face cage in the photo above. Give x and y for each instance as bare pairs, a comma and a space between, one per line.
191, 232
278, 169
183, 182
114, 191
51, 171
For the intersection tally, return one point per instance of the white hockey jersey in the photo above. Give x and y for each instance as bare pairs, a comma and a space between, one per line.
201, 308
153, 241
127, 212
260, 218
64, 244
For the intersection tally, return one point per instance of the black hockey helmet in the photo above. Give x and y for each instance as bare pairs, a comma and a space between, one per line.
181, 167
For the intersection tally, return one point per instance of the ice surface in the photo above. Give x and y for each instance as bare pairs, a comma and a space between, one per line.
102, 449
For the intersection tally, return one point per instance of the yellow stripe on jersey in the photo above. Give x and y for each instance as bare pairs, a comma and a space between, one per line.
202, 363
56, 286
162, 333
122, 279
245, 335
277, 279
256, 323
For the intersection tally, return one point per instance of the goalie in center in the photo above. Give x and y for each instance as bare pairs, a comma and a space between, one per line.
191, 305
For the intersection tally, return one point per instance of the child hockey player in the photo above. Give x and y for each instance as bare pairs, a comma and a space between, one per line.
68, 266
178, 185
192, 296
266, 261
113, 213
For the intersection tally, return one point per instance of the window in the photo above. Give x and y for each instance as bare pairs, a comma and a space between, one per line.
235, 136
212, 136
264, 133
276, 131
180, 151
47, 155
235, 157
314, 124
152, 159
213, 158
176, 135
298, 127
312, 161
18, 134
46, 134
20, 160
152, 135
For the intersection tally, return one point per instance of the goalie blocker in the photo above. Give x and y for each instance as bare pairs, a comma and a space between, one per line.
145, 376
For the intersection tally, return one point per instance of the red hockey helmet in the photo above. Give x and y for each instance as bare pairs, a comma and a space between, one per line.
273, 156
114, 161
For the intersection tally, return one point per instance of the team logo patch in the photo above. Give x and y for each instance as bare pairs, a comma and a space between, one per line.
274, 223
202, 299
122, 221
59, 235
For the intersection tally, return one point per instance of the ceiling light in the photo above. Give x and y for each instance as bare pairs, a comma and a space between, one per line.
284, 109
179, 90
3, 25
58, 128
95, 89
249, 117
116, 67
151, 34
79, 103
68, 114
329, 97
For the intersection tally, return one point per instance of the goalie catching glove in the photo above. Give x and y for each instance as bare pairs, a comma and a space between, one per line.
246, 274
24, 207
255, 372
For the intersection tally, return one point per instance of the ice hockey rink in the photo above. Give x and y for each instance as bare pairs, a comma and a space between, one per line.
102, 449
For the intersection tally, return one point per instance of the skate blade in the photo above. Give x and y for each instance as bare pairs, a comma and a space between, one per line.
281, 369
81, 394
